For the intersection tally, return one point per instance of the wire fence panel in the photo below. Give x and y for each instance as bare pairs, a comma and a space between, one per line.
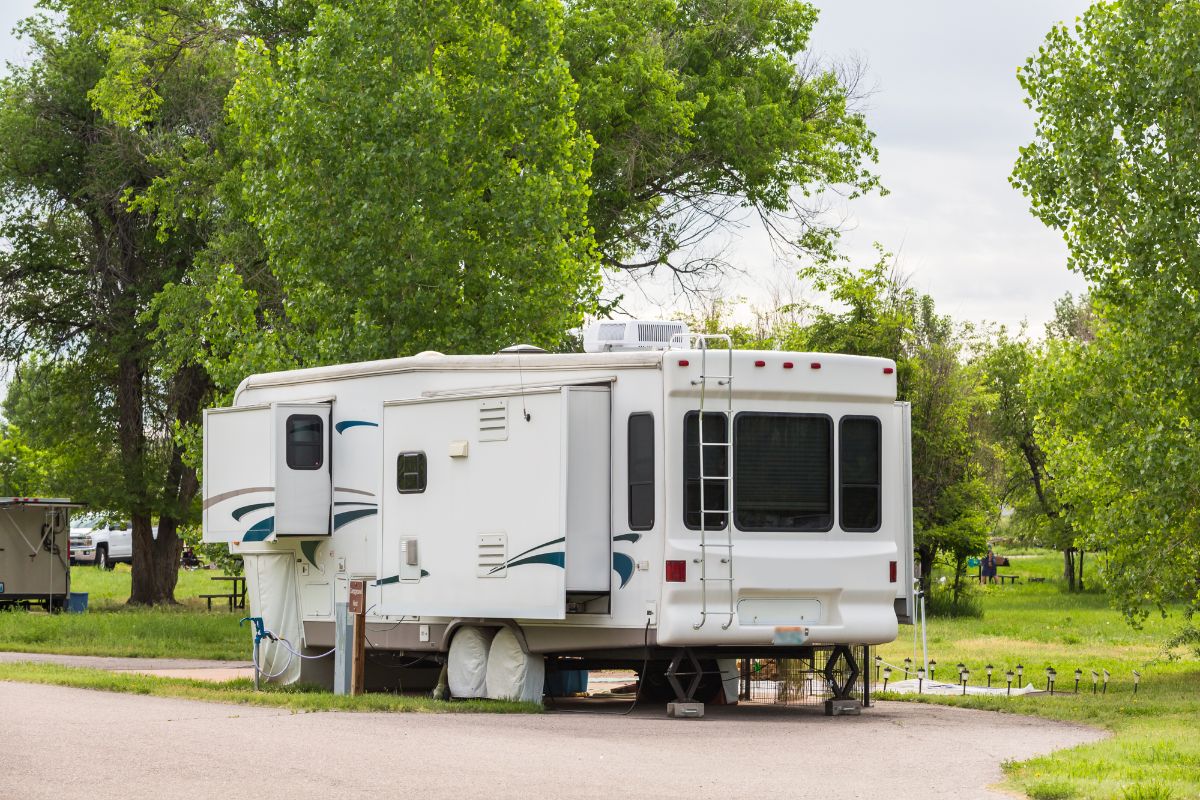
799, 681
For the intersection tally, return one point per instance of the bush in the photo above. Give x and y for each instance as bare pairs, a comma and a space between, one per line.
941, 603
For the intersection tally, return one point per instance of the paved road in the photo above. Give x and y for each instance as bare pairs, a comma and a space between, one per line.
164, 749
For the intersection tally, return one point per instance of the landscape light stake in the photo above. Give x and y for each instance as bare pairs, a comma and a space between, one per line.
1105, 689
965, 675
907, 667
878, 663
932, 668
988, 670
1051, 674
1095, 679
1020, 675
1137, 678
920, 680
1078, 675
887, 674
1008, 674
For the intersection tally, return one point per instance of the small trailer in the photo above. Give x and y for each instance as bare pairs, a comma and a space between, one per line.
663, 502
34, 551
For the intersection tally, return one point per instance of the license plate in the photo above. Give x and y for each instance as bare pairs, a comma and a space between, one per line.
790, 635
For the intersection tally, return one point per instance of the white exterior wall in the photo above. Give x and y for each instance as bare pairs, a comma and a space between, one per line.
836, 581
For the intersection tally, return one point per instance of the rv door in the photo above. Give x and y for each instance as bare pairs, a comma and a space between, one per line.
303, 482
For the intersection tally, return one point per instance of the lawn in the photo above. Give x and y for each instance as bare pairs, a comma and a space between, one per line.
1154, 753
109, 628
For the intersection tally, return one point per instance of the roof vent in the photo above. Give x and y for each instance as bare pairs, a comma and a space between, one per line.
636, 334
521, 349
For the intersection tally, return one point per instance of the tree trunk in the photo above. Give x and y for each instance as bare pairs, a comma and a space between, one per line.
1069, 567
1080, 560
155, 562
925, 555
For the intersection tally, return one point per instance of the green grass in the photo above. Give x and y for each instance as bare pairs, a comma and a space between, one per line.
1155, 750
110, 628
241, 692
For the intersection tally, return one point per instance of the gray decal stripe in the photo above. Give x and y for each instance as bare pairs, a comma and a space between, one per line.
217, 498
352, 491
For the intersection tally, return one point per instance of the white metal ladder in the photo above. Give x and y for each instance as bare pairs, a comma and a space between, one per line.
701, 342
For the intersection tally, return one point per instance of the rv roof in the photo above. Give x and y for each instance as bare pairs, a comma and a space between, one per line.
510, 361
437, 361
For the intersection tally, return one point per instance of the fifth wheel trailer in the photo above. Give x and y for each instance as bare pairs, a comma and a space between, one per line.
34, 551
665, 499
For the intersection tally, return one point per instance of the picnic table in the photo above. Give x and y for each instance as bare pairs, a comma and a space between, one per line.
236, 596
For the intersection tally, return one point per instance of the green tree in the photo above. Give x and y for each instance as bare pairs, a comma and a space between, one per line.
1115, 166
79, 268
704, 111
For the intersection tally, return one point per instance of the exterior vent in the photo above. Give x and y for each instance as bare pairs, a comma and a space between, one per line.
604, 337
492, 555
493, 420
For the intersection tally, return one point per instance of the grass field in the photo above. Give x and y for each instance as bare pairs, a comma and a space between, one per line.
1154, 753
241, 692
109, 628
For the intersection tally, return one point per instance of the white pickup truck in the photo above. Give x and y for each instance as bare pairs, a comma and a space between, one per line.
94, 541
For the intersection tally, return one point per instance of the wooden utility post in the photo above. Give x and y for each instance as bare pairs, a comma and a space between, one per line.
358, 654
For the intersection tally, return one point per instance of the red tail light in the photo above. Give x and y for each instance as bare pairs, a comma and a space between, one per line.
683, 362
892, 571
676, 571
888, 370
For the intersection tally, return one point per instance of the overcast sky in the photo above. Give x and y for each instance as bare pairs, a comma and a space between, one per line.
949, 117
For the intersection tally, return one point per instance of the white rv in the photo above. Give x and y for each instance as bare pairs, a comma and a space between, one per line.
660, 496
34, 551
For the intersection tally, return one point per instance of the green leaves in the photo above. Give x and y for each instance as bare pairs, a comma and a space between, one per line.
432, 197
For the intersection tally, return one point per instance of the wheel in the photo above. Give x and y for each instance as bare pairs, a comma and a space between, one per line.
102, 558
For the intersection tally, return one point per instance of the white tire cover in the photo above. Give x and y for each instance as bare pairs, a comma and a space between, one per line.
466, 667
511, 674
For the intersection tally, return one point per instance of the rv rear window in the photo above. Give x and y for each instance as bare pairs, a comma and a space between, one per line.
783, 473
641, 471
714, 481
410, 473
305, 447
859, 473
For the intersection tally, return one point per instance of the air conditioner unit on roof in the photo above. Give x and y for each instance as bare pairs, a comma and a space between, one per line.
636, 334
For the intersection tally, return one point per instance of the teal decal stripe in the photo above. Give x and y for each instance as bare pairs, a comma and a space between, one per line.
623, 564
351, 503
539, 547
557, 559
346, 517
259, 531
395, 579
238, 513
627, 537
310, 551
342, 426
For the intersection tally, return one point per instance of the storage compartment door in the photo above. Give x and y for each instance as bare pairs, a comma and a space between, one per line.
303, 483
238, 480
473, 507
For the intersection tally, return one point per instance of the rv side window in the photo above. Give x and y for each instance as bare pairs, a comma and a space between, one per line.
783, 474
859, 473
305, 441
410, 473
641, 471
715, 481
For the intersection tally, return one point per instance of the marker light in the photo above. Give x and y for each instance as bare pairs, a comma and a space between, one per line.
676, 572
815, 365
888, 370
892, 571
683, 362
760, 363
788, 365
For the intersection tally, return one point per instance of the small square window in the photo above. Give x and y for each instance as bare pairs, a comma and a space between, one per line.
410, 473
305, 441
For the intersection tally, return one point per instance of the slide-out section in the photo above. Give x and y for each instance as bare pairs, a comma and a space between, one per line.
495, 505
266, 472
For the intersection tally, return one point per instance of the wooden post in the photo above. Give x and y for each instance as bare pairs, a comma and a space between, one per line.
358, 654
